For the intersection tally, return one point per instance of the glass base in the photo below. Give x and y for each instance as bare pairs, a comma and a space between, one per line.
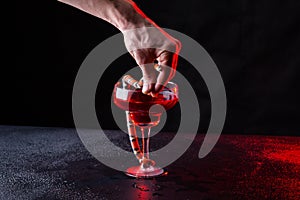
139, 172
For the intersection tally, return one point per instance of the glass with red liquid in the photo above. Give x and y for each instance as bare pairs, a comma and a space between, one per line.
144, 113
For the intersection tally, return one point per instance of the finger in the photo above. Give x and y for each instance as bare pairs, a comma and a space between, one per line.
162, 78
167, 71
148, 88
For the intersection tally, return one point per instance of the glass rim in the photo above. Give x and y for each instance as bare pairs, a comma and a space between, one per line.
119, 85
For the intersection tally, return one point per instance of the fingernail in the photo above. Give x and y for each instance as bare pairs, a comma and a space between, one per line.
145, 88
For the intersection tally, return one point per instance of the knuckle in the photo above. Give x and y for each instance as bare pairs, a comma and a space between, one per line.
177, 44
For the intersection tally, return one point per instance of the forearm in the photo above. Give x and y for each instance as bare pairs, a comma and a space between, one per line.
123, 14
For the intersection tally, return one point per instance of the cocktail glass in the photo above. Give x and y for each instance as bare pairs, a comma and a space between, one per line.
142, 112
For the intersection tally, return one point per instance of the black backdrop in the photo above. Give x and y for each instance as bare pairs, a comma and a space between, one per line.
255, 45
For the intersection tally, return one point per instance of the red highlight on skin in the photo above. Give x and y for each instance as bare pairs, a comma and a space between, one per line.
176, 42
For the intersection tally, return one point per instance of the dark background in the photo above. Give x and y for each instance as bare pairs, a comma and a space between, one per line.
255, 45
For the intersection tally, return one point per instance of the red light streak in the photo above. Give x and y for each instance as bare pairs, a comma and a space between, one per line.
176, 42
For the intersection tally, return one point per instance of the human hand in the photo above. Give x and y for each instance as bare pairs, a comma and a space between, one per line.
145, 41
148, 45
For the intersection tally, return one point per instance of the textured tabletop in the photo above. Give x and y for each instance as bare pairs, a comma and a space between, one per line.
52, 163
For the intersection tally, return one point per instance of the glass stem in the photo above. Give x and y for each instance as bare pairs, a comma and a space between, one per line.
146, 141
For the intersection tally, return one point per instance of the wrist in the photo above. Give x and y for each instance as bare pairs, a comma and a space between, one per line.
128, 16
133, 21
134, 24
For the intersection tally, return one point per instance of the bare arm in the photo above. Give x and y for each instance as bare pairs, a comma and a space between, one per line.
120, 13
125, 15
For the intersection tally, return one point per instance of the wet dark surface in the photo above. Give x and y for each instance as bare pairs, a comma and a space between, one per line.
52, 163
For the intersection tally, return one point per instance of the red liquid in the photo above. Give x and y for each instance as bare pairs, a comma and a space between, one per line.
139, 105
